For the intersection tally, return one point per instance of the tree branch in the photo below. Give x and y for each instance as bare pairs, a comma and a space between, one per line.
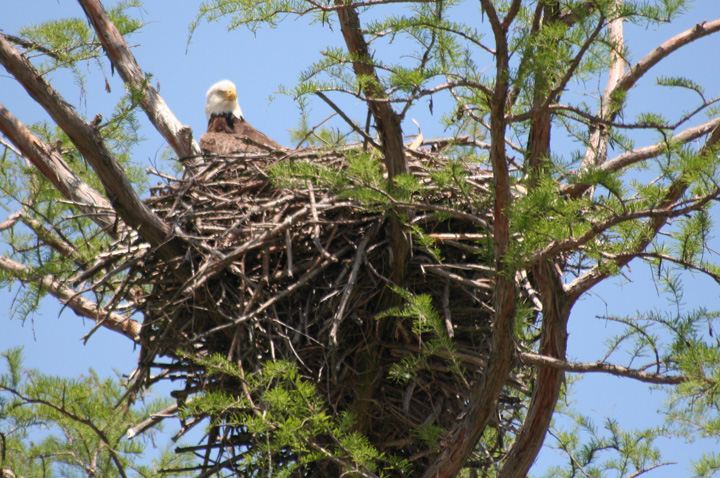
631, 157
52, 165
539, 360
83, 307
663, 51
387, 121
90, 144
597, 148
72, 416
350, 122
178, 136
556, 307
484, 393
656, 220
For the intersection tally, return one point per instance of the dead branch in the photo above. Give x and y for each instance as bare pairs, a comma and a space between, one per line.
89, 143
52, 165
178, 136
83, 307
539, 360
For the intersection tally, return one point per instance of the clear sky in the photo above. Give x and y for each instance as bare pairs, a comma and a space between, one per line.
258, 63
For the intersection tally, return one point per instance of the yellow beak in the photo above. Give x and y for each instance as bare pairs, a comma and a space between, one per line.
231, 95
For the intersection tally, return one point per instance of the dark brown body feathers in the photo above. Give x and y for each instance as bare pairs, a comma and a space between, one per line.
227, 134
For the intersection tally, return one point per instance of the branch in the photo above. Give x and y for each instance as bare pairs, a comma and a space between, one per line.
631, 157
596, 151
485, 392
661, 212
81, 306
52, 165
90, 144
387, 121
87, 422
153, 420
676, 189
539, 360
350, 122
663, 51
178, 136
556, 306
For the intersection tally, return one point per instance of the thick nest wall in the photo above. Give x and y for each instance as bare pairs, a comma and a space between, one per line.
294, 269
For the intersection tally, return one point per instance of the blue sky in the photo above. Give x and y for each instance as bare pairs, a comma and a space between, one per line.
258, 62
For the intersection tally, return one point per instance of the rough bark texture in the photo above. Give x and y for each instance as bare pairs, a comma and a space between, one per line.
86, 138
546, 390
52, 165
386, 120
178, 136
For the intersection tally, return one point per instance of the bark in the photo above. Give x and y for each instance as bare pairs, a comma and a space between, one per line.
539, 136
596, 152
555, 306
387, 121
617, 370
388, 126
632, 75
90, 144
546, 391
178, 136
484, 393
52, 165
73, 299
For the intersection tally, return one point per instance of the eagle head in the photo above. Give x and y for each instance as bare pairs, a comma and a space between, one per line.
222, 100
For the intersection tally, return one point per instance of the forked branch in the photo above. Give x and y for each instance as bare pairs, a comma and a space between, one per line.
90, 144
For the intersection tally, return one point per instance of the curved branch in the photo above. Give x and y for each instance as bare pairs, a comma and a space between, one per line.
556, 306
484, 394
178, 136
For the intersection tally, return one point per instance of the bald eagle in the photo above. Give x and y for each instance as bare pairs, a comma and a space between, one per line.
228, 132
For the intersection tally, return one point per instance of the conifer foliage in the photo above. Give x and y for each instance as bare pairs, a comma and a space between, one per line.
368, 304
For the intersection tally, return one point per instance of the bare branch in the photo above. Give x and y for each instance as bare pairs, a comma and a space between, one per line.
83, 307
178, 136
90, 144
597, 149
539, 360
52, 165
663, 51
350, 122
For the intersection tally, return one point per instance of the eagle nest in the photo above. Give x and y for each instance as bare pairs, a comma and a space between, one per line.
291, 259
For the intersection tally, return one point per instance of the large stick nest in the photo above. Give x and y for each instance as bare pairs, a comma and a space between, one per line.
297, 270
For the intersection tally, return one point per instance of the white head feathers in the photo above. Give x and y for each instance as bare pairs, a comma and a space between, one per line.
222, 99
